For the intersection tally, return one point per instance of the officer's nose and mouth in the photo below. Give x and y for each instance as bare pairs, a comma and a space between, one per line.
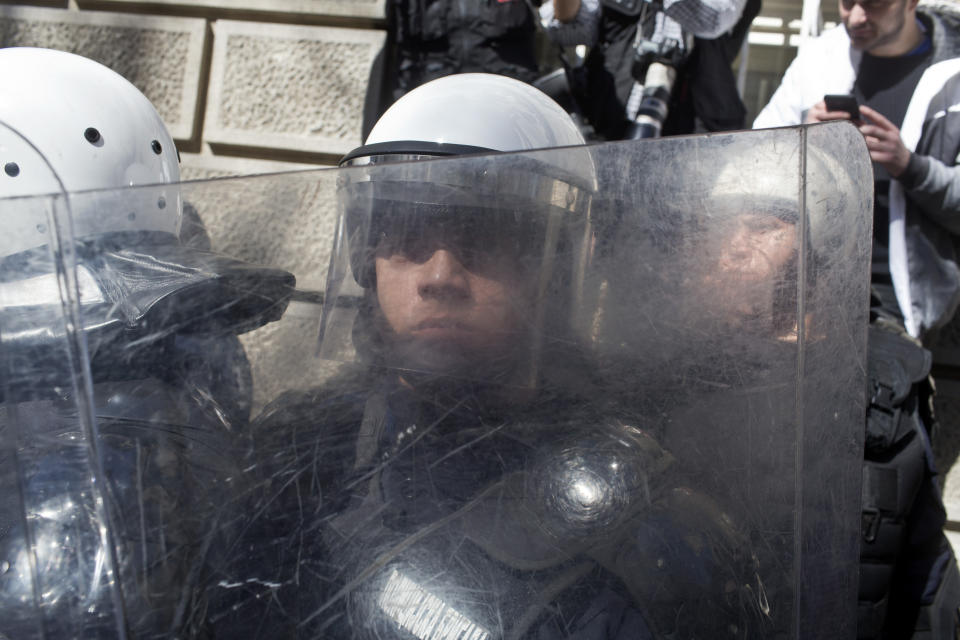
437, 290
748, 257
443, 289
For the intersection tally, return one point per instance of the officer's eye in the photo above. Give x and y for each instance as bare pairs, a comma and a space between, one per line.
403, 247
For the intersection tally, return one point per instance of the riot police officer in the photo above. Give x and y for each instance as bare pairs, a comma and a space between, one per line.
470, 478
122, 380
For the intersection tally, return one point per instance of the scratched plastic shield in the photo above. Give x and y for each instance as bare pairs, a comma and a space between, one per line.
583, 391
123, 390
57, 566
605, 392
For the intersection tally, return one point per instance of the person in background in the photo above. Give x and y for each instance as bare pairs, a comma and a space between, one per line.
701, 37
429, 39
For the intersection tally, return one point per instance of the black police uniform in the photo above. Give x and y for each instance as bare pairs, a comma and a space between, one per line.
387, 514
909, 582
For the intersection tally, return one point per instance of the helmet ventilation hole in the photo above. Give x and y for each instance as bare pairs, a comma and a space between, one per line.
132, 216
92, 135
161, 203
155, 145
12, 169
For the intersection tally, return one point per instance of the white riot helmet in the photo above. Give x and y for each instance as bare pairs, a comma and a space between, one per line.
75, 133
537, 202
467, 113
93, 130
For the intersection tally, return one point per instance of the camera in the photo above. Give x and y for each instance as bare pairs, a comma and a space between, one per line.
655, 67
669, 52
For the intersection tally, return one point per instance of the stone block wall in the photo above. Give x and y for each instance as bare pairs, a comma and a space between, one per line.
167, 52
293, 88
251, 80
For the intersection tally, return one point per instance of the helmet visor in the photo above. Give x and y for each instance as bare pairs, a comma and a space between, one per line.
453, 267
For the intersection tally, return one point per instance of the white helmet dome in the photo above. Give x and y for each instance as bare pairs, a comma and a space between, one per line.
94, 130
470, 112
766, 180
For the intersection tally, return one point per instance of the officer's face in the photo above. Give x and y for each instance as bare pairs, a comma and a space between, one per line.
750, 256
448, 306
756, 248
873, 24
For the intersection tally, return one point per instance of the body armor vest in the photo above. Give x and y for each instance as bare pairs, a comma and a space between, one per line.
904, 554
484, 532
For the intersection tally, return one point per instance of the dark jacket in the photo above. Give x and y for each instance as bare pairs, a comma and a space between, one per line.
436, 38
705, 96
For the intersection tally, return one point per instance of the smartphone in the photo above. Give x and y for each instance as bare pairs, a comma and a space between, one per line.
843, 103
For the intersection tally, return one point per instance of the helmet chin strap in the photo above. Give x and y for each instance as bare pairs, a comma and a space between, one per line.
399, 150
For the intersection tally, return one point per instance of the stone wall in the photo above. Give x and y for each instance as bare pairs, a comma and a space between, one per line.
241, 88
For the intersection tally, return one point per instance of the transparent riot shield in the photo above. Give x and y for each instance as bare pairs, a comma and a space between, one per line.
605, 392
699, 302
57, 562
126, 394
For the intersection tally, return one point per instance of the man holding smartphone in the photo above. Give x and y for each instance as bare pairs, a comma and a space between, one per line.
899, 63
894, 71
